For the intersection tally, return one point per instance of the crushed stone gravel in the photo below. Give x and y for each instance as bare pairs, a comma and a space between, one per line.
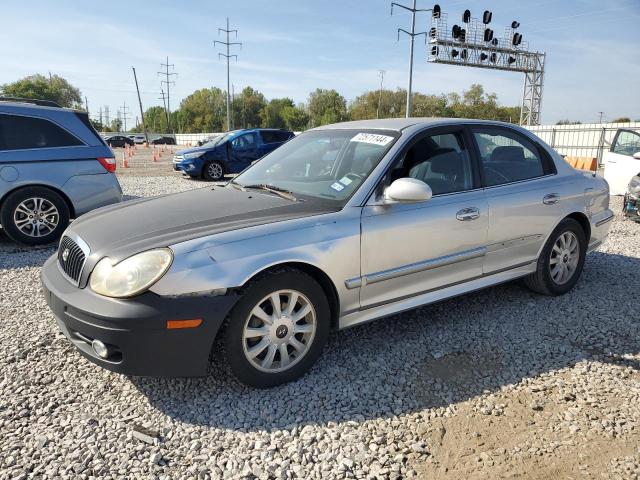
501, 382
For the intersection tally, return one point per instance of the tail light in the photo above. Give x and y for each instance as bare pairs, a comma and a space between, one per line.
109, 163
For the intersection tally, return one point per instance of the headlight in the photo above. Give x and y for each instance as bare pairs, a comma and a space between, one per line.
192, 155
131, 276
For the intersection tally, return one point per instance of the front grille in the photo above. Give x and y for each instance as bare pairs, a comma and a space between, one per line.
71, 258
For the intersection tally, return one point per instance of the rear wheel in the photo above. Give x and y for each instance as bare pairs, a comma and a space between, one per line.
277, 330
34, 215
213, 171
561, 261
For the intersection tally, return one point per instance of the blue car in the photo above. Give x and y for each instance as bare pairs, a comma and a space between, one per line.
229, 153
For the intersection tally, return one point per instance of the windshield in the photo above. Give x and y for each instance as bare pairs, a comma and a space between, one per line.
221, 139
327, 164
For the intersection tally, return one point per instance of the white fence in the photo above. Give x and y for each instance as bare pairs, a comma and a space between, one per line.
583, 140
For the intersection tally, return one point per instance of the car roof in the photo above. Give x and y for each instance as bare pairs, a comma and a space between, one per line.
32, 107
403, 123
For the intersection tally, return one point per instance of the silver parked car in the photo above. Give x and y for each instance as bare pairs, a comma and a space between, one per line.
341, 225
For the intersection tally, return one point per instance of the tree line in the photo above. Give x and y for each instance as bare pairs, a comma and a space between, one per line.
205, 109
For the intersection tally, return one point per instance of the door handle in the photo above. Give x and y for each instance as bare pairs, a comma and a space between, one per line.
551, 199
467, 214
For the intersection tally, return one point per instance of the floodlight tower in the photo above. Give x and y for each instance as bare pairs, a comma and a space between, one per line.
473, 44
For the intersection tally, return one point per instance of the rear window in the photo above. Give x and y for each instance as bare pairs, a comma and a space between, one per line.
84, 118
274, 136
21, 133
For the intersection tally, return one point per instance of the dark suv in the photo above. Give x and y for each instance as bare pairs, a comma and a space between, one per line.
53, 167
229, 153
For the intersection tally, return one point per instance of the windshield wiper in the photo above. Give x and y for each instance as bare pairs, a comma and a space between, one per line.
273, 189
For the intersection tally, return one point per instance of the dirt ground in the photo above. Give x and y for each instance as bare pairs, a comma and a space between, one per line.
142, 163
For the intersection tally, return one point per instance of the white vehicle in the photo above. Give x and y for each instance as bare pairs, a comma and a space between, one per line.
622, 161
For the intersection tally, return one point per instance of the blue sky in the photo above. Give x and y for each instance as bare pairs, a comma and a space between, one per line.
292, 47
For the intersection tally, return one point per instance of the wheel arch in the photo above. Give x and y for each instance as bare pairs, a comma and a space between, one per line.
583, 220
53, 188
318, 275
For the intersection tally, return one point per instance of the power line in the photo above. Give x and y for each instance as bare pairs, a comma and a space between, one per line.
125, 115
412, 34
228, 44
168, 82
381, 75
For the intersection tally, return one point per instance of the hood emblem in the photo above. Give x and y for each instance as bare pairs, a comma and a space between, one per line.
65, 254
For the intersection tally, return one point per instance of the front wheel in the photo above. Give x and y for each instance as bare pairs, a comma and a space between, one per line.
34, 215
561, 261
213, 171
277, 330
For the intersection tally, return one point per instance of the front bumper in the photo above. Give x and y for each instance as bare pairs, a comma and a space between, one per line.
135, 329
191, 166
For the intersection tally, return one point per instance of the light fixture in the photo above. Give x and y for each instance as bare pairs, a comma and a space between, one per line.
434, 50
511, 60
486, 17
515, 24
436, 11
433, 33
488, 34
517, 39
454, 53
493, 57
464, 54
483, 56
466, 16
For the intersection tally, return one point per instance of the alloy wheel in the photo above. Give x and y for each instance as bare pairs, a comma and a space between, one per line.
565, 256
215, 170
36, 217
279, 331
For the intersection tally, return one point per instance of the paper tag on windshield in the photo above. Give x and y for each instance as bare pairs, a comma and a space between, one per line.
373, 138
337, 186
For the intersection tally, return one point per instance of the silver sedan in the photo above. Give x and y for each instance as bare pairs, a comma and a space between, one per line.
343, 224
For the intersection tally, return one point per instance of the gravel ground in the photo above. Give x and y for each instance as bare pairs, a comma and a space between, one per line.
499, 383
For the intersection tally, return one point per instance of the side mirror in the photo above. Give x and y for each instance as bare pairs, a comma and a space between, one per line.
408, 190
636, 155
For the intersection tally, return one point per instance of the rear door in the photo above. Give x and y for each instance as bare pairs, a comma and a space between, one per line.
619, 163
409, 249
272, 139
522, 192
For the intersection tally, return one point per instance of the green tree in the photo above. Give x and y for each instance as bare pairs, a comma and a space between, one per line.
247, 108
39, 87
204, 111
568, 122
621, 120
273, 113
295, 117
326, 106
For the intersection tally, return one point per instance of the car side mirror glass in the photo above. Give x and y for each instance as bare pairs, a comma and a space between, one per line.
408, 190
636, 155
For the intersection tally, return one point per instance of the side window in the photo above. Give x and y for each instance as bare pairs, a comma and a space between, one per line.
627, 143
244, 142
507, 156
441, 161
20, 133
268, 136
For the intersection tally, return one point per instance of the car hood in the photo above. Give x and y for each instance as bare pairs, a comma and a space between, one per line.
127, 228
197, 150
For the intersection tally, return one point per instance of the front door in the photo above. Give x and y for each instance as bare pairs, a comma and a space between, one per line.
620, 165
242, 151
409, 249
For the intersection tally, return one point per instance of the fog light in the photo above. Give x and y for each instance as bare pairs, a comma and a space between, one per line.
100, 348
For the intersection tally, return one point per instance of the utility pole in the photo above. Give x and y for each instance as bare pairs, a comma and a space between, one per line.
100, 113
412, 34
381, 75
165, 107
86, 105
227, 44
125, 115
601, 115
144, 126
168, 82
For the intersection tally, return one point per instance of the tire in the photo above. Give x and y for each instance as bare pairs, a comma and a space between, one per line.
213, 171
551, 280
37, 229
245, 332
